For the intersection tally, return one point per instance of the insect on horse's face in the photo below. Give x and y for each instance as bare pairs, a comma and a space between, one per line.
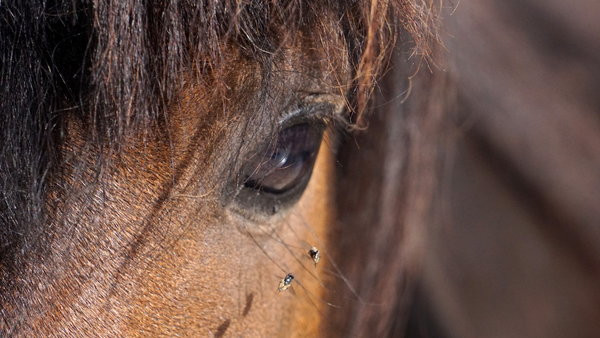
194, 226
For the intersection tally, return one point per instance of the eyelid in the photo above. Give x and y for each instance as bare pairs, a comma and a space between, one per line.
323, 106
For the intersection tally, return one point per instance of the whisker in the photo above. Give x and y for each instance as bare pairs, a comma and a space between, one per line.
335, 266
280, 240
263, 248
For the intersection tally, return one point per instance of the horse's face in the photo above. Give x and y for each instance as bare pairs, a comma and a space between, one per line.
158, 178
171, 164
190, 228
167, 169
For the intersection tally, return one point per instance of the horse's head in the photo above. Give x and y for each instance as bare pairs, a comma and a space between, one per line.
169, 167
298, 168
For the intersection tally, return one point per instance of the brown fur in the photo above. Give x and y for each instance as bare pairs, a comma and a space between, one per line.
468, 208
141, 235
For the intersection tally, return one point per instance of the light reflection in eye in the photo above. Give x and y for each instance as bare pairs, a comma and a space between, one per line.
287, 161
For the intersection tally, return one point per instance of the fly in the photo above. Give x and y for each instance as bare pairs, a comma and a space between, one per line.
315, 255
284, 284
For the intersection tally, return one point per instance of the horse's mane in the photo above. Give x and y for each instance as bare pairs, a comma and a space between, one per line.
115, 66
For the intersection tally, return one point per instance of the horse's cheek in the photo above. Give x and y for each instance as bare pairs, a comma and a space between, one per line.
314, 214
221, 276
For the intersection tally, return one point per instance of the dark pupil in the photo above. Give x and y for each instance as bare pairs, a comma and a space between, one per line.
286, 162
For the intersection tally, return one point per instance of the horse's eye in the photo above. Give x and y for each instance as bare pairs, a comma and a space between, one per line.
287, 162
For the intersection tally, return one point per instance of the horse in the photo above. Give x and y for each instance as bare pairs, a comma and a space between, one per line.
175, 169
